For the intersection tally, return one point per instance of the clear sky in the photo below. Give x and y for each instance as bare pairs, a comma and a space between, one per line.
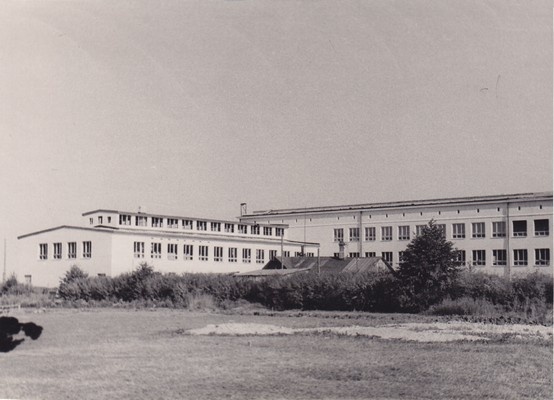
192, 107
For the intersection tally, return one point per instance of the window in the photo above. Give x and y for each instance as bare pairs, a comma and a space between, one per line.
268, 231
173, 223
370, 254
404, 232
387, 256
203, 253
232, 254
520, 257
272, 254
419, 229
124, 219
309, 254
242, 229
188, 252
354, 234
338, 234
230, 228
286, 253
542, 256
91, 221
100, 220
499, 229
478, 230
520, 228
138, 249
260, 256
215, 226
141, 221
71, 250
201, 225
87, 249
279, 232
155, 250
255, 229
157, 222
400, 256
442, 227
541, 227
218, 253
43, 251
186, 224
370, 233
28, 280
298, 254
479, 258
499, 257
172, 251
354, 254
246, 256
109, 220
460, 257
458, 231
386, 233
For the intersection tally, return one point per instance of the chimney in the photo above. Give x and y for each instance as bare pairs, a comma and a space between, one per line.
242, 209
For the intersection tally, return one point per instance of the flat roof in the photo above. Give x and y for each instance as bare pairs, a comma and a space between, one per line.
406, 204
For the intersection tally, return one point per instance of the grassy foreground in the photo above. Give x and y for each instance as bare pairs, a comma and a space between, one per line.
127, 354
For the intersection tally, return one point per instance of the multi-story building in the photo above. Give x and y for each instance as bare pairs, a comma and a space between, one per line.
504, 234
111, 242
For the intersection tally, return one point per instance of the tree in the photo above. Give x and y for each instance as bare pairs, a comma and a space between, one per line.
427, 269
74, 273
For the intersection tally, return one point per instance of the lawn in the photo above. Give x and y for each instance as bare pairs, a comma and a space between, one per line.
128, 354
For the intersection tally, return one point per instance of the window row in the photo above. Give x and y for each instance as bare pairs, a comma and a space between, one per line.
188, 224
202, 252
70, 249
478, 231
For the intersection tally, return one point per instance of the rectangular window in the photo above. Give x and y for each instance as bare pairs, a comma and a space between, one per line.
215, 226
499, 257
458, 231
309, 254
272, 254
369, 233
442, 228
157, 222
541, 227
172, 251
91, 221
172, 223
279, 232
419, 229
354, 234
255, 229
186, 224
201, 225
499, 229
479, 258
87, 249
369, 254
520, 257
243, 229
404, 232
141, 220
28, 279
138, 249
286, 253
520, 228
43, 251
354, 254
109, 220
338, 234
386, 233
155, 250
124, 219
188, 251
387, 256
298, 254
203, 253
400, 256
218, 254
246, 256
233, 254
260, 257
542, 256
478, 230
268, 231
230, 228
71, 250
57, 251
460, 257
100, 220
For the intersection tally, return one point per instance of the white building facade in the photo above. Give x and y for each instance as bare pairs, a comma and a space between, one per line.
504, 234
113, 242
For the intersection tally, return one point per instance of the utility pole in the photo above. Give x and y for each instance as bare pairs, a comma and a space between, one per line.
282, 235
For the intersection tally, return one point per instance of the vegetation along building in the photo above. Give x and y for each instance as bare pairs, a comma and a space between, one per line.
112, 242
503, 234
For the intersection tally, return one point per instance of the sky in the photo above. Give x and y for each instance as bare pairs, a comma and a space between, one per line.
192, 107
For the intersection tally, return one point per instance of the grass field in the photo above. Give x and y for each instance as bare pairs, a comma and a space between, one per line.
127, 354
